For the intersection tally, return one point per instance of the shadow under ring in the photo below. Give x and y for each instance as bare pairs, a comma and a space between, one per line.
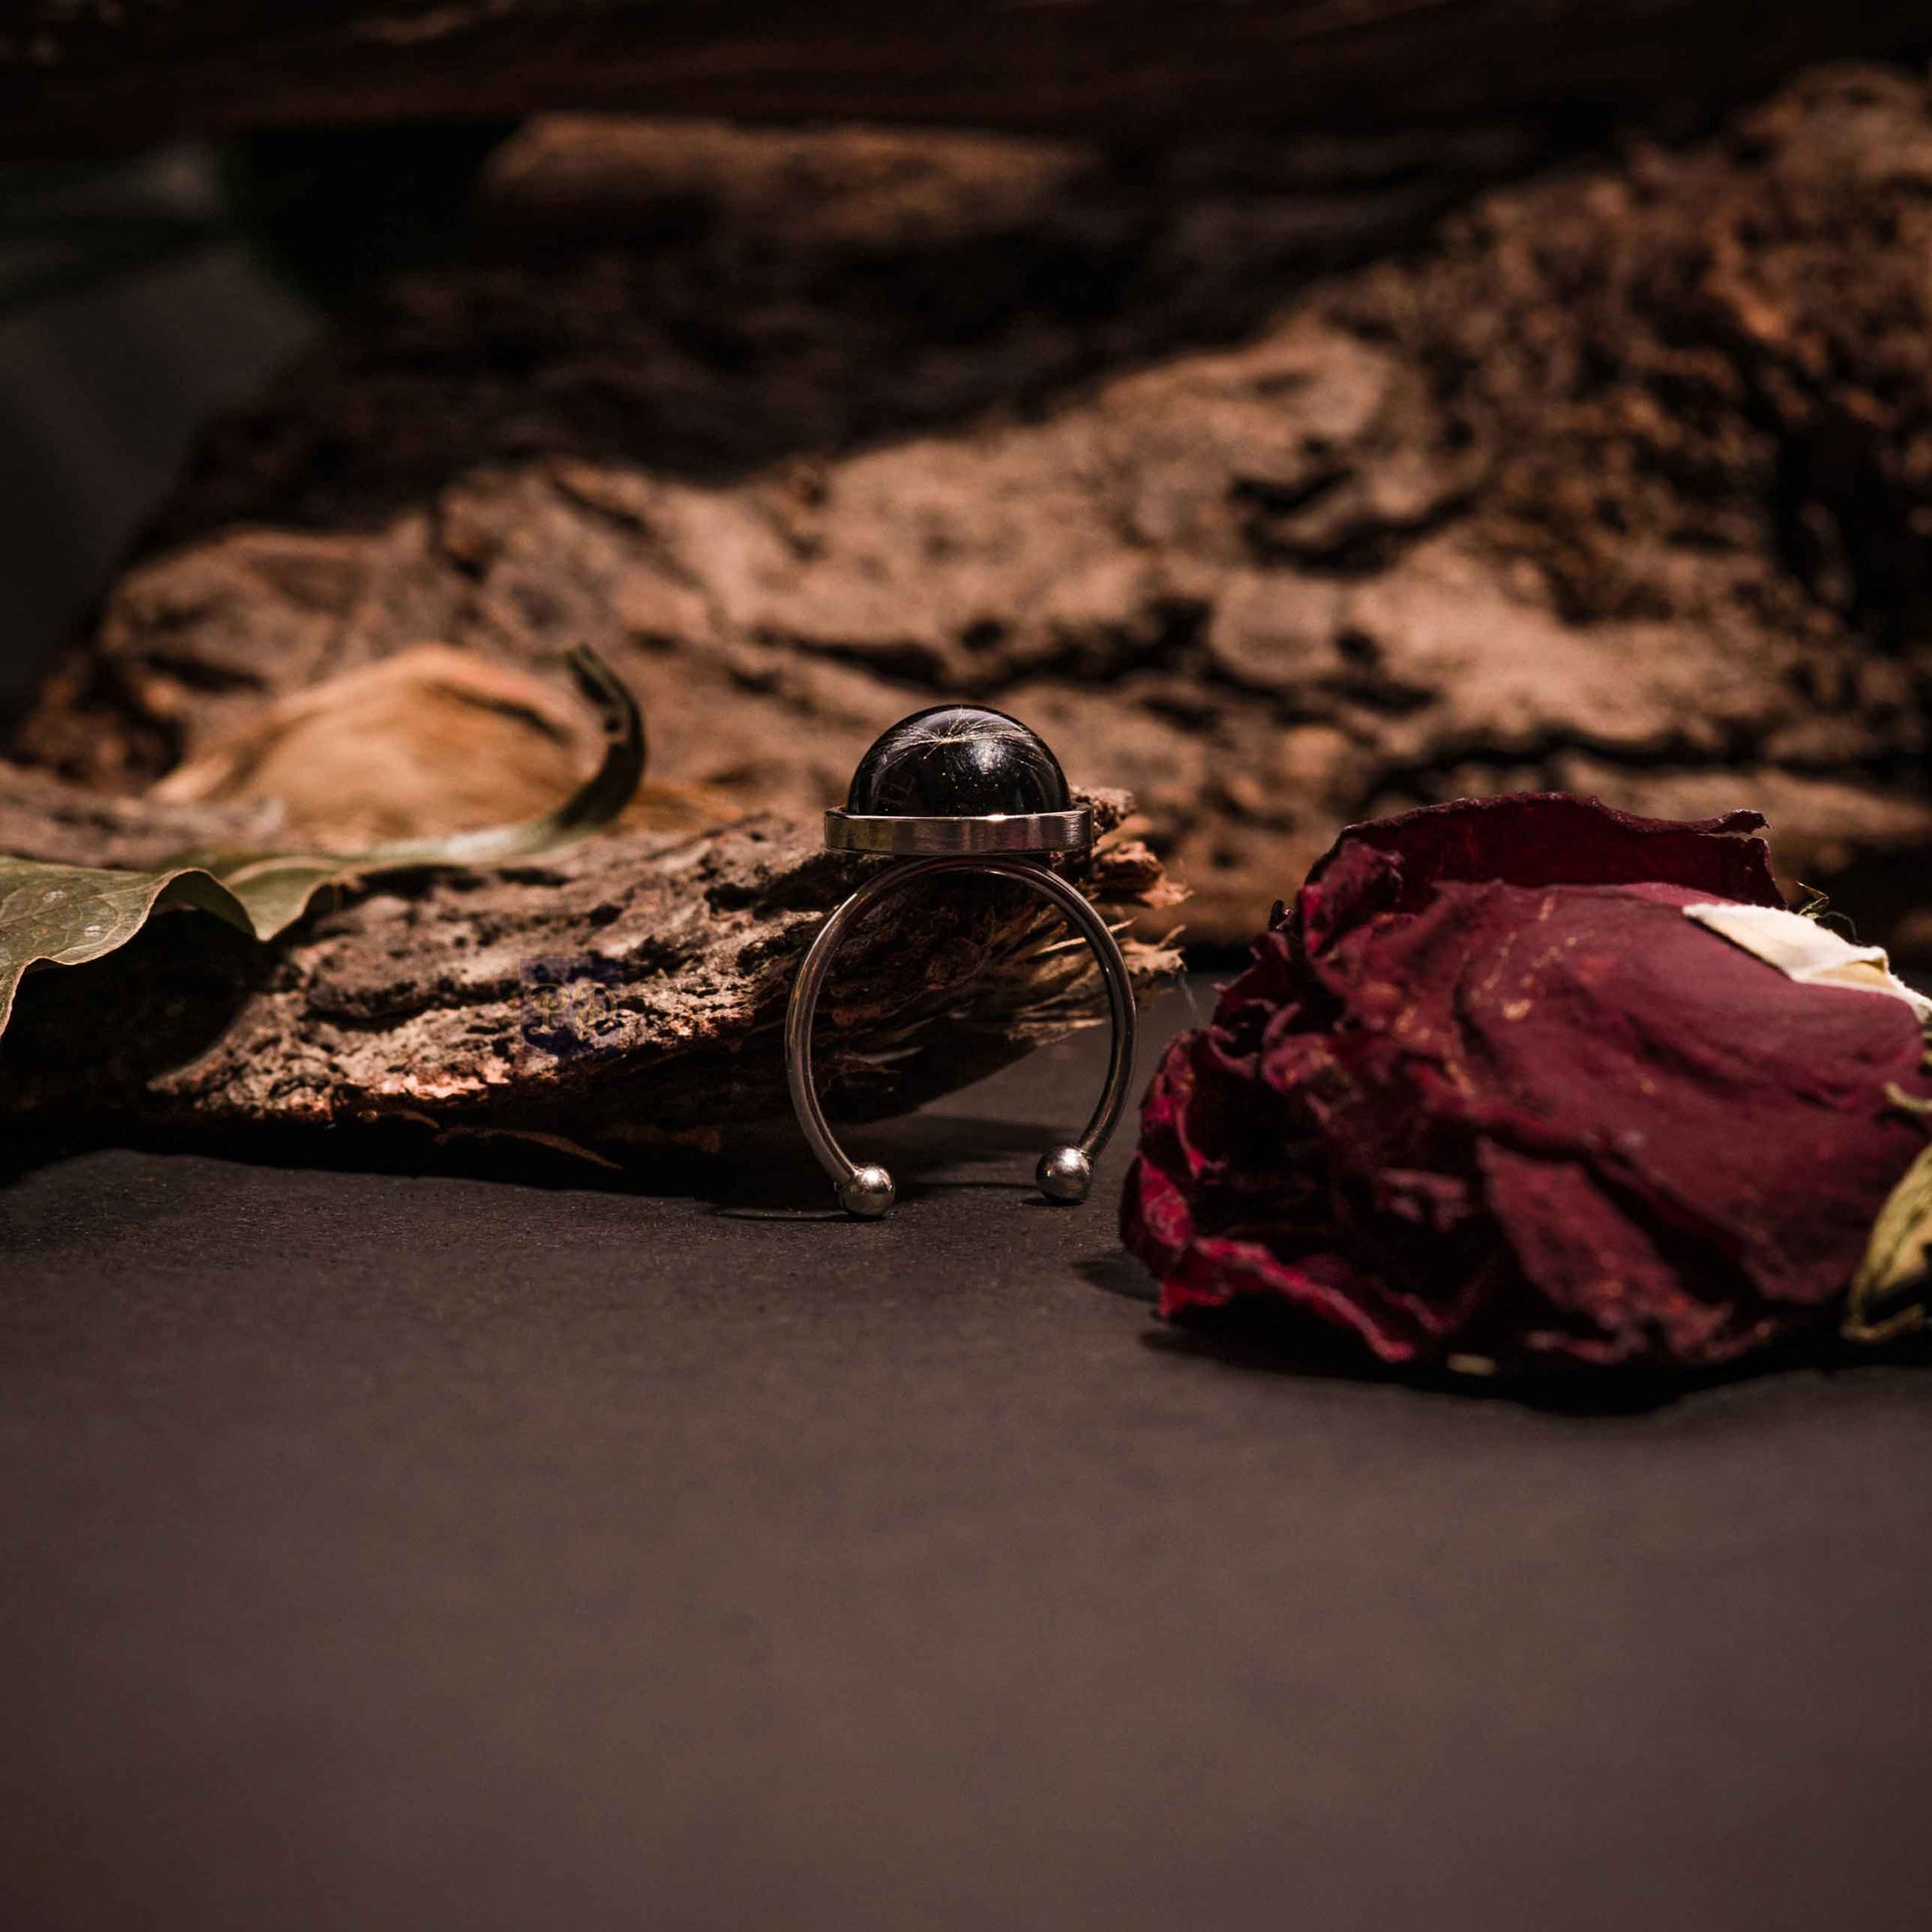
1065, 1173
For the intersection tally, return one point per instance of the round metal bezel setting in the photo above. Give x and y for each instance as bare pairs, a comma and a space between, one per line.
907, 837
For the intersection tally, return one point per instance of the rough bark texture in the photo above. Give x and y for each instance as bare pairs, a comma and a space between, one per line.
631, 991
74, 73
1621, 486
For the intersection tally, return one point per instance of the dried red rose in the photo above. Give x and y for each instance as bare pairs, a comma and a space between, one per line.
1491, 1093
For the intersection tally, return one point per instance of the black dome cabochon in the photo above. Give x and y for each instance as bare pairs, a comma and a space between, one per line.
957, 761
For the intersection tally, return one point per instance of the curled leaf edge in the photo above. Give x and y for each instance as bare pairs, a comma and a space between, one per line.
264, 893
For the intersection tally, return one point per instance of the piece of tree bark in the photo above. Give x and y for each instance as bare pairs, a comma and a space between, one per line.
105, 75
1622, 486
630, 992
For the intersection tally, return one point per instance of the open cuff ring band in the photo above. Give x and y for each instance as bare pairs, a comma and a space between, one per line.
960, 789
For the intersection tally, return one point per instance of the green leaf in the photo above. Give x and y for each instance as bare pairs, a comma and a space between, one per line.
1890, 1291
67, 916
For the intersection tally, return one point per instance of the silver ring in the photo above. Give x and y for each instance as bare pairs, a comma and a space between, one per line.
1065, 1173
959, 789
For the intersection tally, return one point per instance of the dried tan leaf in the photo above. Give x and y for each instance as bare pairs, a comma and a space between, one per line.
65, 915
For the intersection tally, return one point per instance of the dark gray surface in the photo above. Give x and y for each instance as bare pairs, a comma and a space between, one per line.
384, 1550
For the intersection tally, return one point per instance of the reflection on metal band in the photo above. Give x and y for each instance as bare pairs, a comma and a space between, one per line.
936, 838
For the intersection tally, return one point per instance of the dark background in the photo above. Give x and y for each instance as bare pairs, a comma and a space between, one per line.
109, 367
421, 1550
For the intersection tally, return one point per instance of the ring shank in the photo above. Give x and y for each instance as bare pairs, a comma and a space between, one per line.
1079, 913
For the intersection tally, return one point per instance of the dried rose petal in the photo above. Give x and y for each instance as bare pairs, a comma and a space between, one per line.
1491, 1093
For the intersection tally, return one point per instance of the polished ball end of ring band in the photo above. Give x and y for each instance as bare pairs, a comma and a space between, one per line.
865, 1193
1065, 1173
960, 789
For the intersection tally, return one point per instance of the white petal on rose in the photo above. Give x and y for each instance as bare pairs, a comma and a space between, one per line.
1806, 951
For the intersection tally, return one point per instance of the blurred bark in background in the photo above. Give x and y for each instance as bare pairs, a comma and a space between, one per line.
1119, 69
1192, 432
